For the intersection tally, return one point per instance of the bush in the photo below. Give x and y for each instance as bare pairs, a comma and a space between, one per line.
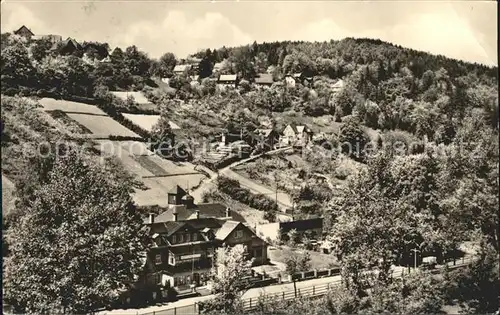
232, 188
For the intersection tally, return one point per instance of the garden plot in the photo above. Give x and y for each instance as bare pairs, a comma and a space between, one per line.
103, 126
158, 187
49, 104
147, 121
114, 148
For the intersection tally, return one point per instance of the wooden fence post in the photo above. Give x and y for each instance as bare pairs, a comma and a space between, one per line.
283, 295
313, 290
175, 309
299, 292
250, 302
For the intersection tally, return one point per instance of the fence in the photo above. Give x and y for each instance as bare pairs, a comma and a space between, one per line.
310, 291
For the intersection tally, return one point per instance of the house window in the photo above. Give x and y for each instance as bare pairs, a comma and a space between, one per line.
239, 234
181, 239
174, 239
171, 199
171, 260
195, 237
158, 259
188, 237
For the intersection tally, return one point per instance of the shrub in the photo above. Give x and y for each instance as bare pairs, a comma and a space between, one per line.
232, 188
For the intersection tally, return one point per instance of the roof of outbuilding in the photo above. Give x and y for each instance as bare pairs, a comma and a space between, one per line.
227, 77
264, 78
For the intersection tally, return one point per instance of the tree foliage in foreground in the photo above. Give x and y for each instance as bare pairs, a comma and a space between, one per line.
231, 267
74, 247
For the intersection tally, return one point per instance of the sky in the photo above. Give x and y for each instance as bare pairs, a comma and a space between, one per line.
465, 30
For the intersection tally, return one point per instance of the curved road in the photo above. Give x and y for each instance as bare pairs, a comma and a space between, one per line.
284, 201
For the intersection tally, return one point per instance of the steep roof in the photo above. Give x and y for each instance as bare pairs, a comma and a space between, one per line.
226, 229
207, 210
264, 78
227, 77
263, 132
23, 28
299, 128
177, 190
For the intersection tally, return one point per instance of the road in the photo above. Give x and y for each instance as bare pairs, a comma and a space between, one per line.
284, 201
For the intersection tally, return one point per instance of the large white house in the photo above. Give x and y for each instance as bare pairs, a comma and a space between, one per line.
296, 135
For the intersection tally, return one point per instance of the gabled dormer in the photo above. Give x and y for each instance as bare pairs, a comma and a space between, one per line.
175, 195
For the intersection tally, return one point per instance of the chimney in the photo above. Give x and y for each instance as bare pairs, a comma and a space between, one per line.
197, 211
175, 214
151, 218
228, 212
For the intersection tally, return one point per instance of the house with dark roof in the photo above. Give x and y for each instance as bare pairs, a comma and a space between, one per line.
264, 80
25, 32
185, 237
67, 47
264, 139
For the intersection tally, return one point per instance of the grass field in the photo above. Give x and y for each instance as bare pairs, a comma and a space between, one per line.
104, 126
70, 107
147, 121
70, 124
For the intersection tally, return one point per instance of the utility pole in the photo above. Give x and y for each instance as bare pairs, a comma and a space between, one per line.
276, 180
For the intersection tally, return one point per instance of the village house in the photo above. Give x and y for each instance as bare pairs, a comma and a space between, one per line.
67, 47
278, 231
265, 139
194, 63
24, 32
292, 79
181, 69
296, 135
227, 80
264, 80
185, 237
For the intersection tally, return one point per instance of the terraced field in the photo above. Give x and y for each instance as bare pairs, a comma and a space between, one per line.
49, 104
158, 175
147, 121
102, 126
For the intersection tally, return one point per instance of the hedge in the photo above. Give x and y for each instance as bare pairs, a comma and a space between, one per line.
232, 188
